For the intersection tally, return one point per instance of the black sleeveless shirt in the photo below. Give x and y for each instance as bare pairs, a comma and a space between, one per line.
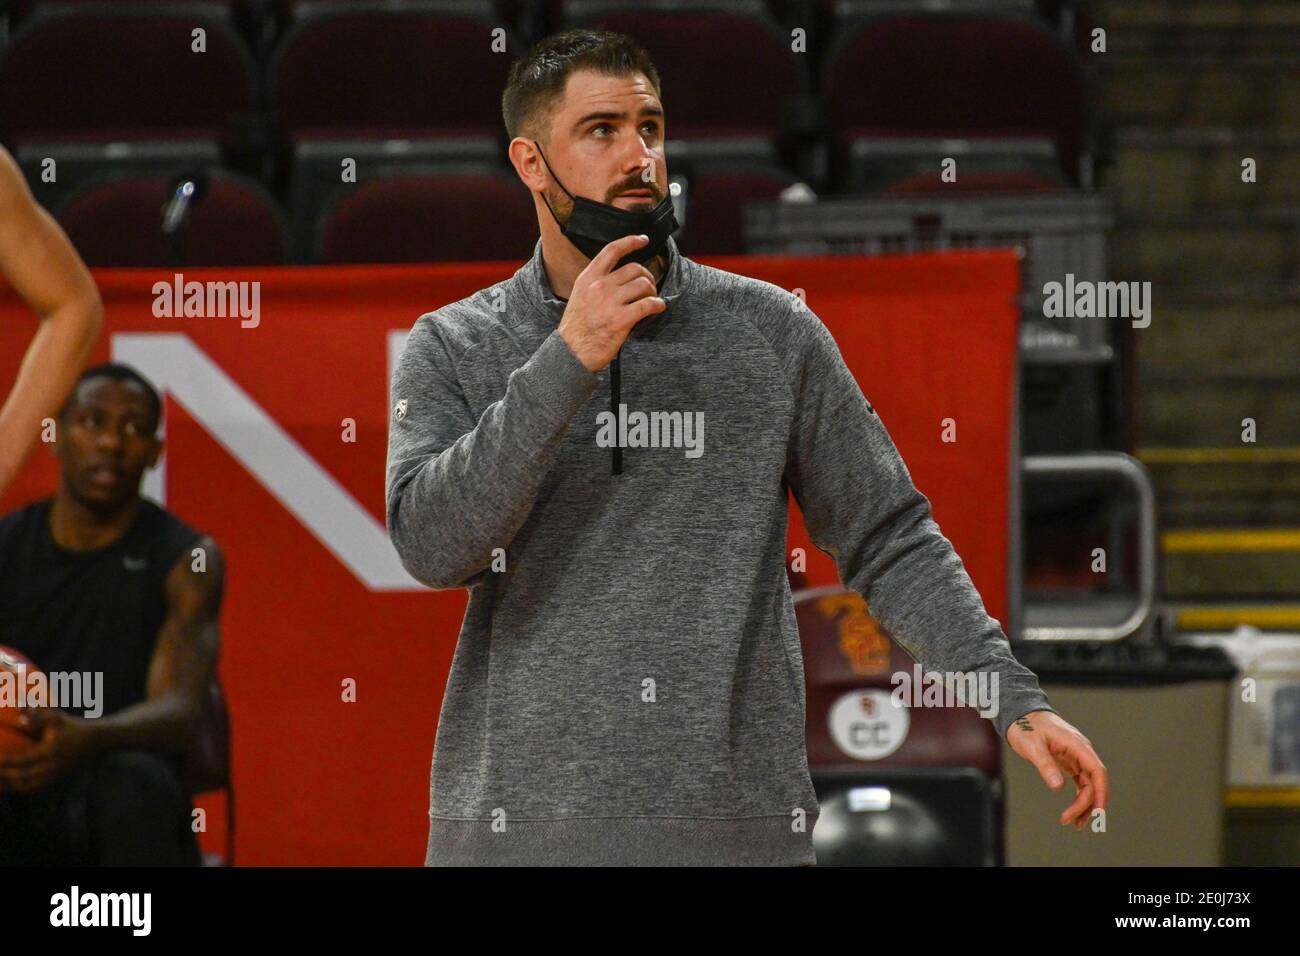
97, 610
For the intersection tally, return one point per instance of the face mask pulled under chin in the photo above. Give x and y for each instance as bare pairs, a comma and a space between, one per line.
594, 225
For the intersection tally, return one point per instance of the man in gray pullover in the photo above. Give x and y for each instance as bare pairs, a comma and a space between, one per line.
627, 686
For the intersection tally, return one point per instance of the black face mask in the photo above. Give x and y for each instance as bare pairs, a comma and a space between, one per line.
594, 225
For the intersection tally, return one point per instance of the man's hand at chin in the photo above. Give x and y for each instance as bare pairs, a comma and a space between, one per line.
1057, 749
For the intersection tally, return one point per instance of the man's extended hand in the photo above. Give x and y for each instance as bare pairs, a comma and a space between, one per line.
65, 742
1056, 748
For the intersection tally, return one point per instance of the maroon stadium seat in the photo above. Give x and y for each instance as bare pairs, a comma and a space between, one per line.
116, 222
505, 10
715, 202
921, 788
405, 217
709, 91
80, 163
845, 650
95, 72
208, 763
951, 75
369, 70
20, 10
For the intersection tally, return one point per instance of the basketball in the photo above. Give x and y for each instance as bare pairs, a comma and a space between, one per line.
17, 732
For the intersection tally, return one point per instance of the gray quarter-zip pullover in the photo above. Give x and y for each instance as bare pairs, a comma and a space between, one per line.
627, 686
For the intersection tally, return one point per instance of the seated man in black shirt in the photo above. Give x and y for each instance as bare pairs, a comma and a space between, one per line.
98, 580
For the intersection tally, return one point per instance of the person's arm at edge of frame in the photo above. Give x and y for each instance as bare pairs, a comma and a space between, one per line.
45, 271
879, 528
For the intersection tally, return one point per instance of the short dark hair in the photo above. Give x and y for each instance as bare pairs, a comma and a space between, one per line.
537, 79
123, 373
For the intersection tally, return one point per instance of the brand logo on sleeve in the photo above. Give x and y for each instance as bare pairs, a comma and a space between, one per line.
399, 410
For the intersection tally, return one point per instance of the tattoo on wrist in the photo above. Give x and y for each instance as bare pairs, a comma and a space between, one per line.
1024, 724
